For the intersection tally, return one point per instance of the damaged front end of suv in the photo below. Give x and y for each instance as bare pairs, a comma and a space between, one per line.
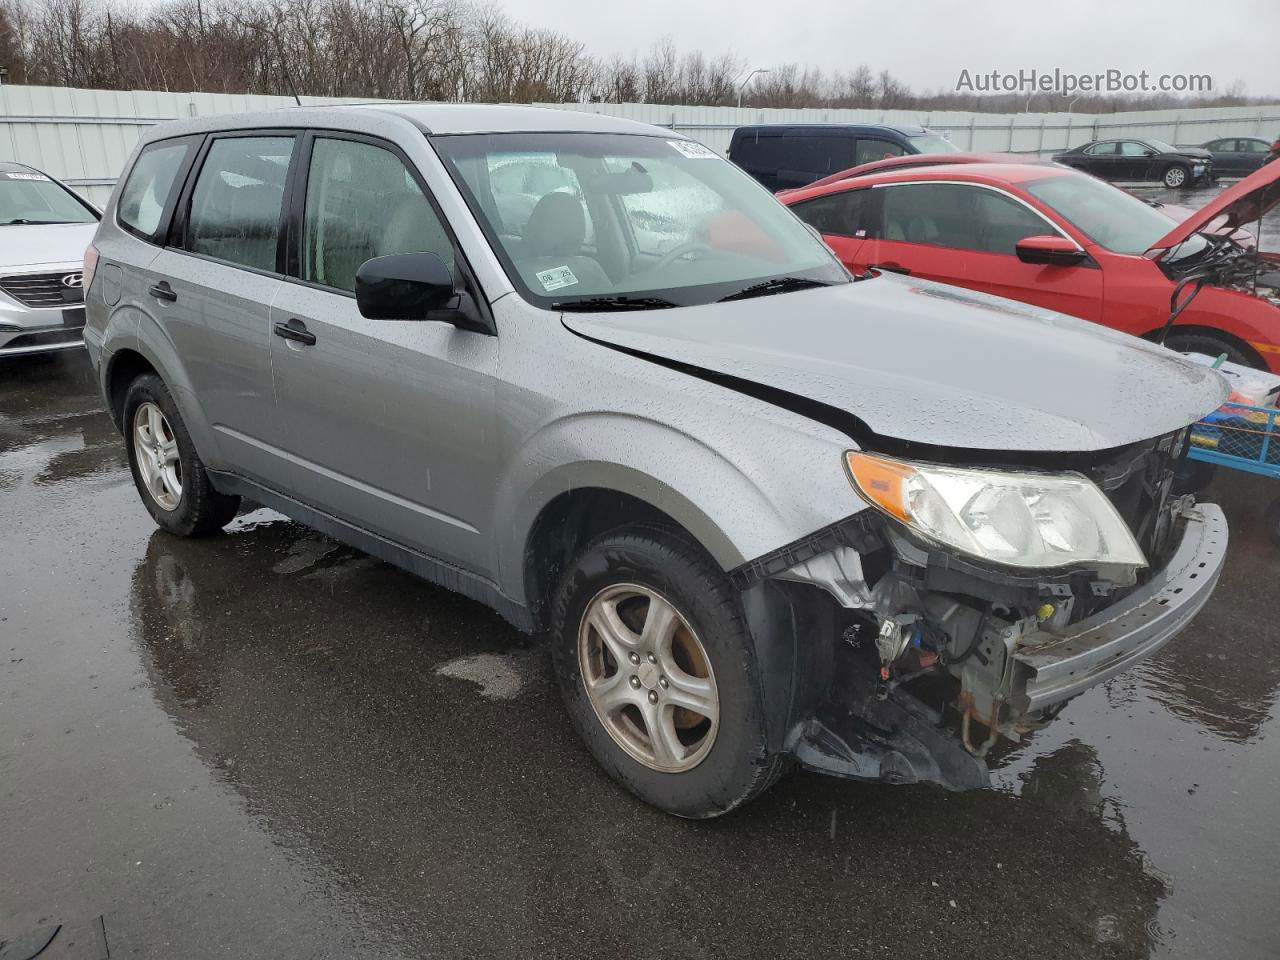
968, 604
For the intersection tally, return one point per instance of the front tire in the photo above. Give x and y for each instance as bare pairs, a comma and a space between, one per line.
169, 475
657, 670
1176, 176
1210, 346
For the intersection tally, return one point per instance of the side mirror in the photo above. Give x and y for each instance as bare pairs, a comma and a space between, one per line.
1148, 153
416, 286
1049, 251
404, 286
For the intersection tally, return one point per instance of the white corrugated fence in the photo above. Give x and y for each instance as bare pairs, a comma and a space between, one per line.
84, 136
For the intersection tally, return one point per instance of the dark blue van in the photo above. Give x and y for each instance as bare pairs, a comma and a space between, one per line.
783, 155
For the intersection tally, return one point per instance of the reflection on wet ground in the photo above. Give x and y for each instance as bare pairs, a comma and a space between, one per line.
267, 744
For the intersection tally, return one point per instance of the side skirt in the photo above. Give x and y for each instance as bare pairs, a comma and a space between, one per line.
420, 564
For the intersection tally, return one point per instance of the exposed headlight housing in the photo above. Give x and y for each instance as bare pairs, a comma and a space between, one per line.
1035, 520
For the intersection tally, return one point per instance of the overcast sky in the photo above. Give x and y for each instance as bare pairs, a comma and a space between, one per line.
926, 43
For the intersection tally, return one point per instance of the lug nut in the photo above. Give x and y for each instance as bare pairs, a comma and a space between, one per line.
634, 657
653, 696
652, 658
635, 682
663, 682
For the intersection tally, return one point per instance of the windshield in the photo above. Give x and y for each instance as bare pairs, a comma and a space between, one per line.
31, 197
932, 143
1109, 216
1162, 146
576, 216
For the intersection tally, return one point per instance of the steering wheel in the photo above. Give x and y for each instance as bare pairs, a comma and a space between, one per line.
680, 250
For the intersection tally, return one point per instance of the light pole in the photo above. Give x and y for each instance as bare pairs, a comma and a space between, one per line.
744, 83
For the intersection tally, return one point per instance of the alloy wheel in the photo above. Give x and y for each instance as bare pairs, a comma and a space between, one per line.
156, 450
1175, 177
648, 678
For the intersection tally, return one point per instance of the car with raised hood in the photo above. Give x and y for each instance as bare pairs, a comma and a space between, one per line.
1066, 241
764, 511
1141, 160
44, 230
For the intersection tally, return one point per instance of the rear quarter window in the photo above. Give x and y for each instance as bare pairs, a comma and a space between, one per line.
148, 193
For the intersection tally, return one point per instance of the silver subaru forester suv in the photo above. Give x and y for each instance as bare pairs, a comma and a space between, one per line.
589, 373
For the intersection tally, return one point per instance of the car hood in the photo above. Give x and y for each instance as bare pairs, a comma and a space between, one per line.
1196, 153
27, 245
929, 364
1252, 198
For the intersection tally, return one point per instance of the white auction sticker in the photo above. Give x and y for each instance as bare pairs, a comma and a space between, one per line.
556, 277
25, 176
693, 150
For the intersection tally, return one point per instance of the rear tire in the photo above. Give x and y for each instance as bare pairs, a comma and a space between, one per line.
1176, 176
169, 475
1211, 346
636, 570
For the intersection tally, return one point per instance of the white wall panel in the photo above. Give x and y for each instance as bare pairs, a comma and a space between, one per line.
85, 136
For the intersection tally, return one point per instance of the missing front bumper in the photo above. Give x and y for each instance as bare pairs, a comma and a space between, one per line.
1056, 668
938, 722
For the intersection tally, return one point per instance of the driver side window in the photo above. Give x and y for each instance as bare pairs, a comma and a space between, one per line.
362, 203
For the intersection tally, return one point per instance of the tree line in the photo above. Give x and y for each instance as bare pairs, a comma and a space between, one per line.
430, 50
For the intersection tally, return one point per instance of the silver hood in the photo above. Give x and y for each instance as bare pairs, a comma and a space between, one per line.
933, 364
28, 246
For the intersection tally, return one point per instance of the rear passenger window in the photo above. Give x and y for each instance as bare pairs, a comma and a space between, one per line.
845, 214
235, 206
937, 214
362, 203
145, 194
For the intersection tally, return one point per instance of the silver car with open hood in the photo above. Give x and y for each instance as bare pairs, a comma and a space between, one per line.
587, 372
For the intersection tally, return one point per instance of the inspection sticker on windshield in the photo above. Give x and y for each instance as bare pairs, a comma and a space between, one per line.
23, 176
556, 277
693, 150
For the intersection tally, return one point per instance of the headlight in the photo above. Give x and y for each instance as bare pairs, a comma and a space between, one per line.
1015, 519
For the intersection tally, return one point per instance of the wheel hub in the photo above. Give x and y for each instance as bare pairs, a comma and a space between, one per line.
648, 678
648, 675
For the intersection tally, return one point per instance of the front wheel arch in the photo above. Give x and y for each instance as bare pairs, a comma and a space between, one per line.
1252, 357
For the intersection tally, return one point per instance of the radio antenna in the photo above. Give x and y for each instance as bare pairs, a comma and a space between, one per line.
284, 66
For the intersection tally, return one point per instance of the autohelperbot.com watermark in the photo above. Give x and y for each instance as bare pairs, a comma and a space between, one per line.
1066, 82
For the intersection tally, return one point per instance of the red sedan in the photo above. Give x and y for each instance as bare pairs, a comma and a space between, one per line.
1061, 239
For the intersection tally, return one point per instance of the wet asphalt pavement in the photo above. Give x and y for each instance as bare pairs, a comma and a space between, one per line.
268, 745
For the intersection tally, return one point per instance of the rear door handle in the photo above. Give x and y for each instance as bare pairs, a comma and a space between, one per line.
892, 268
162, 291
296, 331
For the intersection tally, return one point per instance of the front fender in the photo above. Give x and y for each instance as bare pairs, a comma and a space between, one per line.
712, 498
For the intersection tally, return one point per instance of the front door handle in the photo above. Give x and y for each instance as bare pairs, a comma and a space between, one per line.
296, 331
162, 291
892, 268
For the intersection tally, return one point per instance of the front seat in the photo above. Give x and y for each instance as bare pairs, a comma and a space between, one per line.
553, 239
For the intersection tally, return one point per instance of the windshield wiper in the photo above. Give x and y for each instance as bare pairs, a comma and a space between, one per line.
777, 285
24, 220
603, 304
